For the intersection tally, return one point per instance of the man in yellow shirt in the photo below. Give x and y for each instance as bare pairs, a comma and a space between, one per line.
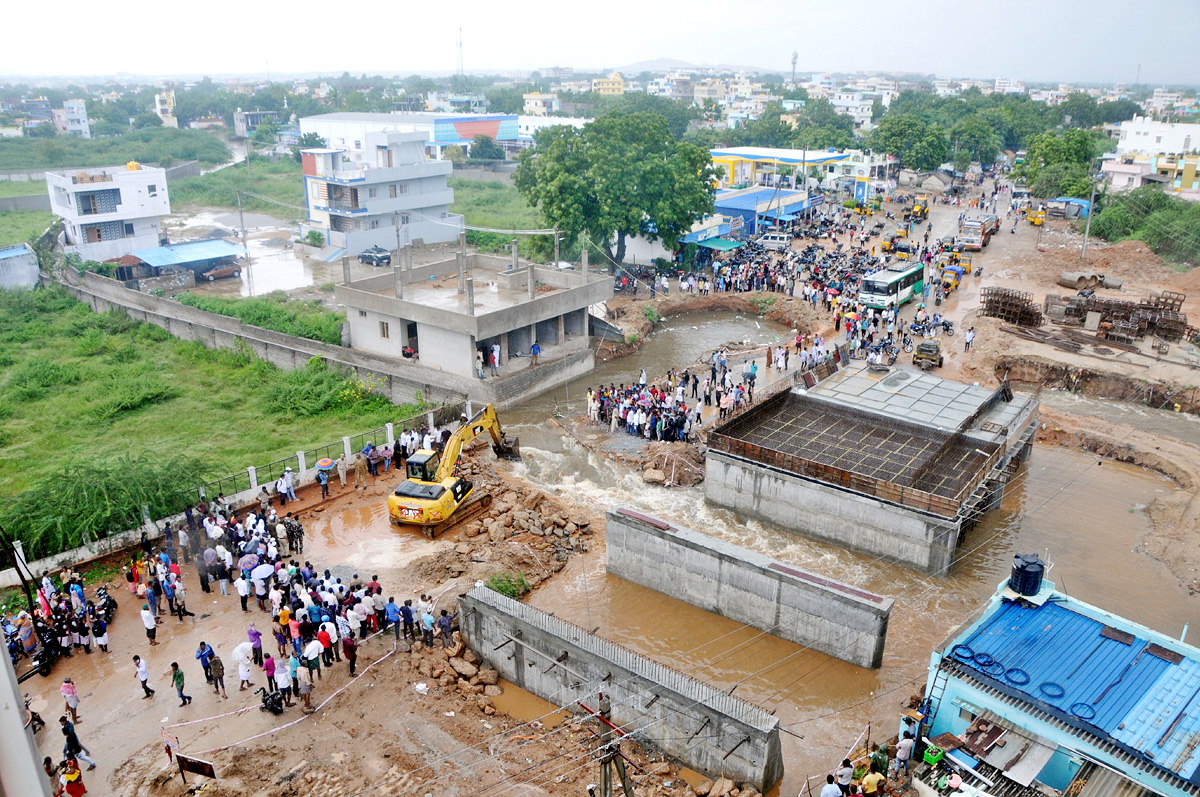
873, 783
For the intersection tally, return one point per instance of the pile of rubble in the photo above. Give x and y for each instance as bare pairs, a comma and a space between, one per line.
453, 669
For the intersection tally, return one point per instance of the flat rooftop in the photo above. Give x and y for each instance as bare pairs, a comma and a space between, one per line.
1118, 682
922, 398
865, 451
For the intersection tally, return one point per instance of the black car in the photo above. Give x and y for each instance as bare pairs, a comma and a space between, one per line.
376, 256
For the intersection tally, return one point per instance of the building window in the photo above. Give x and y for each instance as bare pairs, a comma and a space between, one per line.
966, 715
362, 313
358, 145
128, 230
152, 189
392, 191
374, 224
370, 193
383, 329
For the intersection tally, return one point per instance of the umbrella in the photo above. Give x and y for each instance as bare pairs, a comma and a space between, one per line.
263, 571
832, 291
325, 464
243, 652
921, 305
248, 561
853, 316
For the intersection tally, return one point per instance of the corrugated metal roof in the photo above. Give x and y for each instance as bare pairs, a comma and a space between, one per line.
15, 251
184, 254
1059, 659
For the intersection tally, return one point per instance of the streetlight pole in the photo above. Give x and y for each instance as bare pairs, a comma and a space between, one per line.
1088, 227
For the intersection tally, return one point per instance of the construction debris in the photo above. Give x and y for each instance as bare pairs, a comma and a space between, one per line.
1015, 307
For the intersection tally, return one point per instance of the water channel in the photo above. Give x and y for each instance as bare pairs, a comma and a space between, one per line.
1089, 518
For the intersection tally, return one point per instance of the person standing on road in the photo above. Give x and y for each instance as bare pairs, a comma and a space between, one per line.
904, 752
243, 590
304, 684
342, 469
204, 654
143, 675
323, 480
289, 480
969, 338
151, 623
71, 696
177, 682
830, 789
445, 626
845, 775
535, 351
350, 648
71, 779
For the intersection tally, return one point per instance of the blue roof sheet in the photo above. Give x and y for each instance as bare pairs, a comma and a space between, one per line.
1059, 659
749, 201
14, 251
185, 254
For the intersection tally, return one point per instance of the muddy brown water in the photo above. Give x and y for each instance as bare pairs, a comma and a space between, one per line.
1089, 518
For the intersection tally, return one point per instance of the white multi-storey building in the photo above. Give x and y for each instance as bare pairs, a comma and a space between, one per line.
390, 194
110, 211
71, 119
1142, 136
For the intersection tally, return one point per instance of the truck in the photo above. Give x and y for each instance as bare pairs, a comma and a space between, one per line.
971, 235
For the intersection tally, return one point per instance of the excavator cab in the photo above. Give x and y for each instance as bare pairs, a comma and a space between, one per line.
422, 466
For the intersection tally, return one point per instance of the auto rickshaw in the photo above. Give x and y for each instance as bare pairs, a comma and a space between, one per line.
951, 277
964, 262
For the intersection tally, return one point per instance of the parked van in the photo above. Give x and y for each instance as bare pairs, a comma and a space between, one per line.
775, 240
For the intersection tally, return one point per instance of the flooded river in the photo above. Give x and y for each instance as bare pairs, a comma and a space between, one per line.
1089, 518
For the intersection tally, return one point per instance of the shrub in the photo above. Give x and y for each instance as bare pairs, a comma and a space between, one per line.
514, 586
130, 392
652, 314
31, 380
316, 390
314, 238
275, 311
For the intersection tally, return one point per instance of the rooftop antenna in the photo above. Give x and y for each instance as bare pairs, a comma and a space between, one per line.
795, 55
1137, 81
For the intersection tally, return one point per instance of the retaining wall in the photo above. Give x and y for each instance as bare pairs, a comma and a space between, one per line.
834, 618
398, 379
16, 204
838, 516
702, 727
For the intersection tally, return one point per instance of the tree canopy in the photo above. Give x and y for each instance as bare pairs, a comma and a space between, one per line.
619, 176
919, 146
484, 147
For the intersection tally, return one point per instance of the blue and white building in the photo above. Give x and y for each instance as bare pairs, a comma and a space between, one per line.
1044, 691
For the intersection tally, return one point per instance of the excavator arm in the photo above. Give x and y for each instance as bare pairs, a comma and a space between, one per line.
484, 420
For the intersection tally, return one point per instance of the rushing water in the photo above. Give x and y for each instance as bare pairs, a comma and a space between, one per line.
1088, 517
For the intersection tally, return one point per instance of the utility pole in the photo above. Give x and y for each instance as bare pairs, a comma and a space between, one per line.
242, 222
795, 55
1088, 227
610, 756
556, 247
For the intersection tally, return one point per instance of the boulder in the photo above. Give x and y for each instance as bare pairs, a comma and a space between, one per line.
654, 476
722, 787
463, 667
470, 657
492, 690
488, 676
703, 788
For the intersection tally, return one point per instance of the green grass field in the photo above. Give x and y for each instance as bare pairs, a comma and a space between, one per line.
492, 204
19, 226
278, 180
163, 146
78, 386
28, 188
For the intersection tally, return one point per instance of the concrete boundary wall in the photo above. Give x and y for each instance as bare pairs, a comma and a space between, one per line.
702, 727
399, 380
16, 204
826, 615
838, 516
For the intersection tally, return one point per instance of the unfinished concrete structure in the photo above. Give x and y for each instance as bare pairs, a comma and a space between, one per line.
726, 579
896, 467
702, 727
446, 312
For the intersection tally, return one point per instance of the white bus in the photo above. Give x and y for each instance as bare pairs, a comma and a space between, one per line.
892, 286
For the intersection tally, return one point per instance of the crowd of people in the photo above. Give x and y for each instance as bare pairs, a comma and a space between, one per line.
872, 774
316, 618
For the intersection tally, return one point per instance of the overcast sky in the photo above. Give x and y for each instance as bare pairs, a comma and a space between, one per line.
1048, 40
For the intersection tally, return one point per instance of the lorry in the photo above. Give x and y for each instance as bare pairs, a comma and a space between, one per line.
972, 235
433, 493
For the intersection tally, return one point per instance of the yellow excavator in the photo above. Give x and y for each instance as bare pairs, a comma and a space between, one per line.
433, 494
920, 208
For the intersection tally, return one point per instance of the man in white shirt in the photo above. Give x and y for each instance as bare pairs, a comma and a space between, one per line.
830, 789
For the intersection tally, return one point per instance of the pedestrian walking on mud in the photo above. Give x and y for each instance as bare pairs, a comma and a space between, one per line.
71, 696
350, 648
73, 747
305, 685
143, 676
217, 668
177, 679
969, 338
360, 472
71, 779
150, 622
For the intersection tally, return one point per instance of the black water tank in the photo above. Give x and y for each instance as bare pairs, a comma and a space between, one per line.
1027, 572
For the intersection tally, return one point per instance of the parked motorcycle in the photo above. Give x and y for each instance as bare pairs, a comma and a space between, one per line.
270, 701
36, 723
106, 605
907, 343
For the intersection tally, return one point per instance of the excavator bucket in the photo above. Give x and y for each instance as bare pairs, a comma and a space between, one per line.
509, 448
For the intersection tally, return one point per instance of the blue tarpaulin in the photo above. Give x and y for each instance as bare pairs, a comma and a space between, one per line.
189, 253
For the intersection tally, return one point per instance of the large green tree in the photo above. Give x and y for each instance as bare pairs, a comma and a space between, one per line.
484, 147
919, 146
1072, 147
619, 176
976, 136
